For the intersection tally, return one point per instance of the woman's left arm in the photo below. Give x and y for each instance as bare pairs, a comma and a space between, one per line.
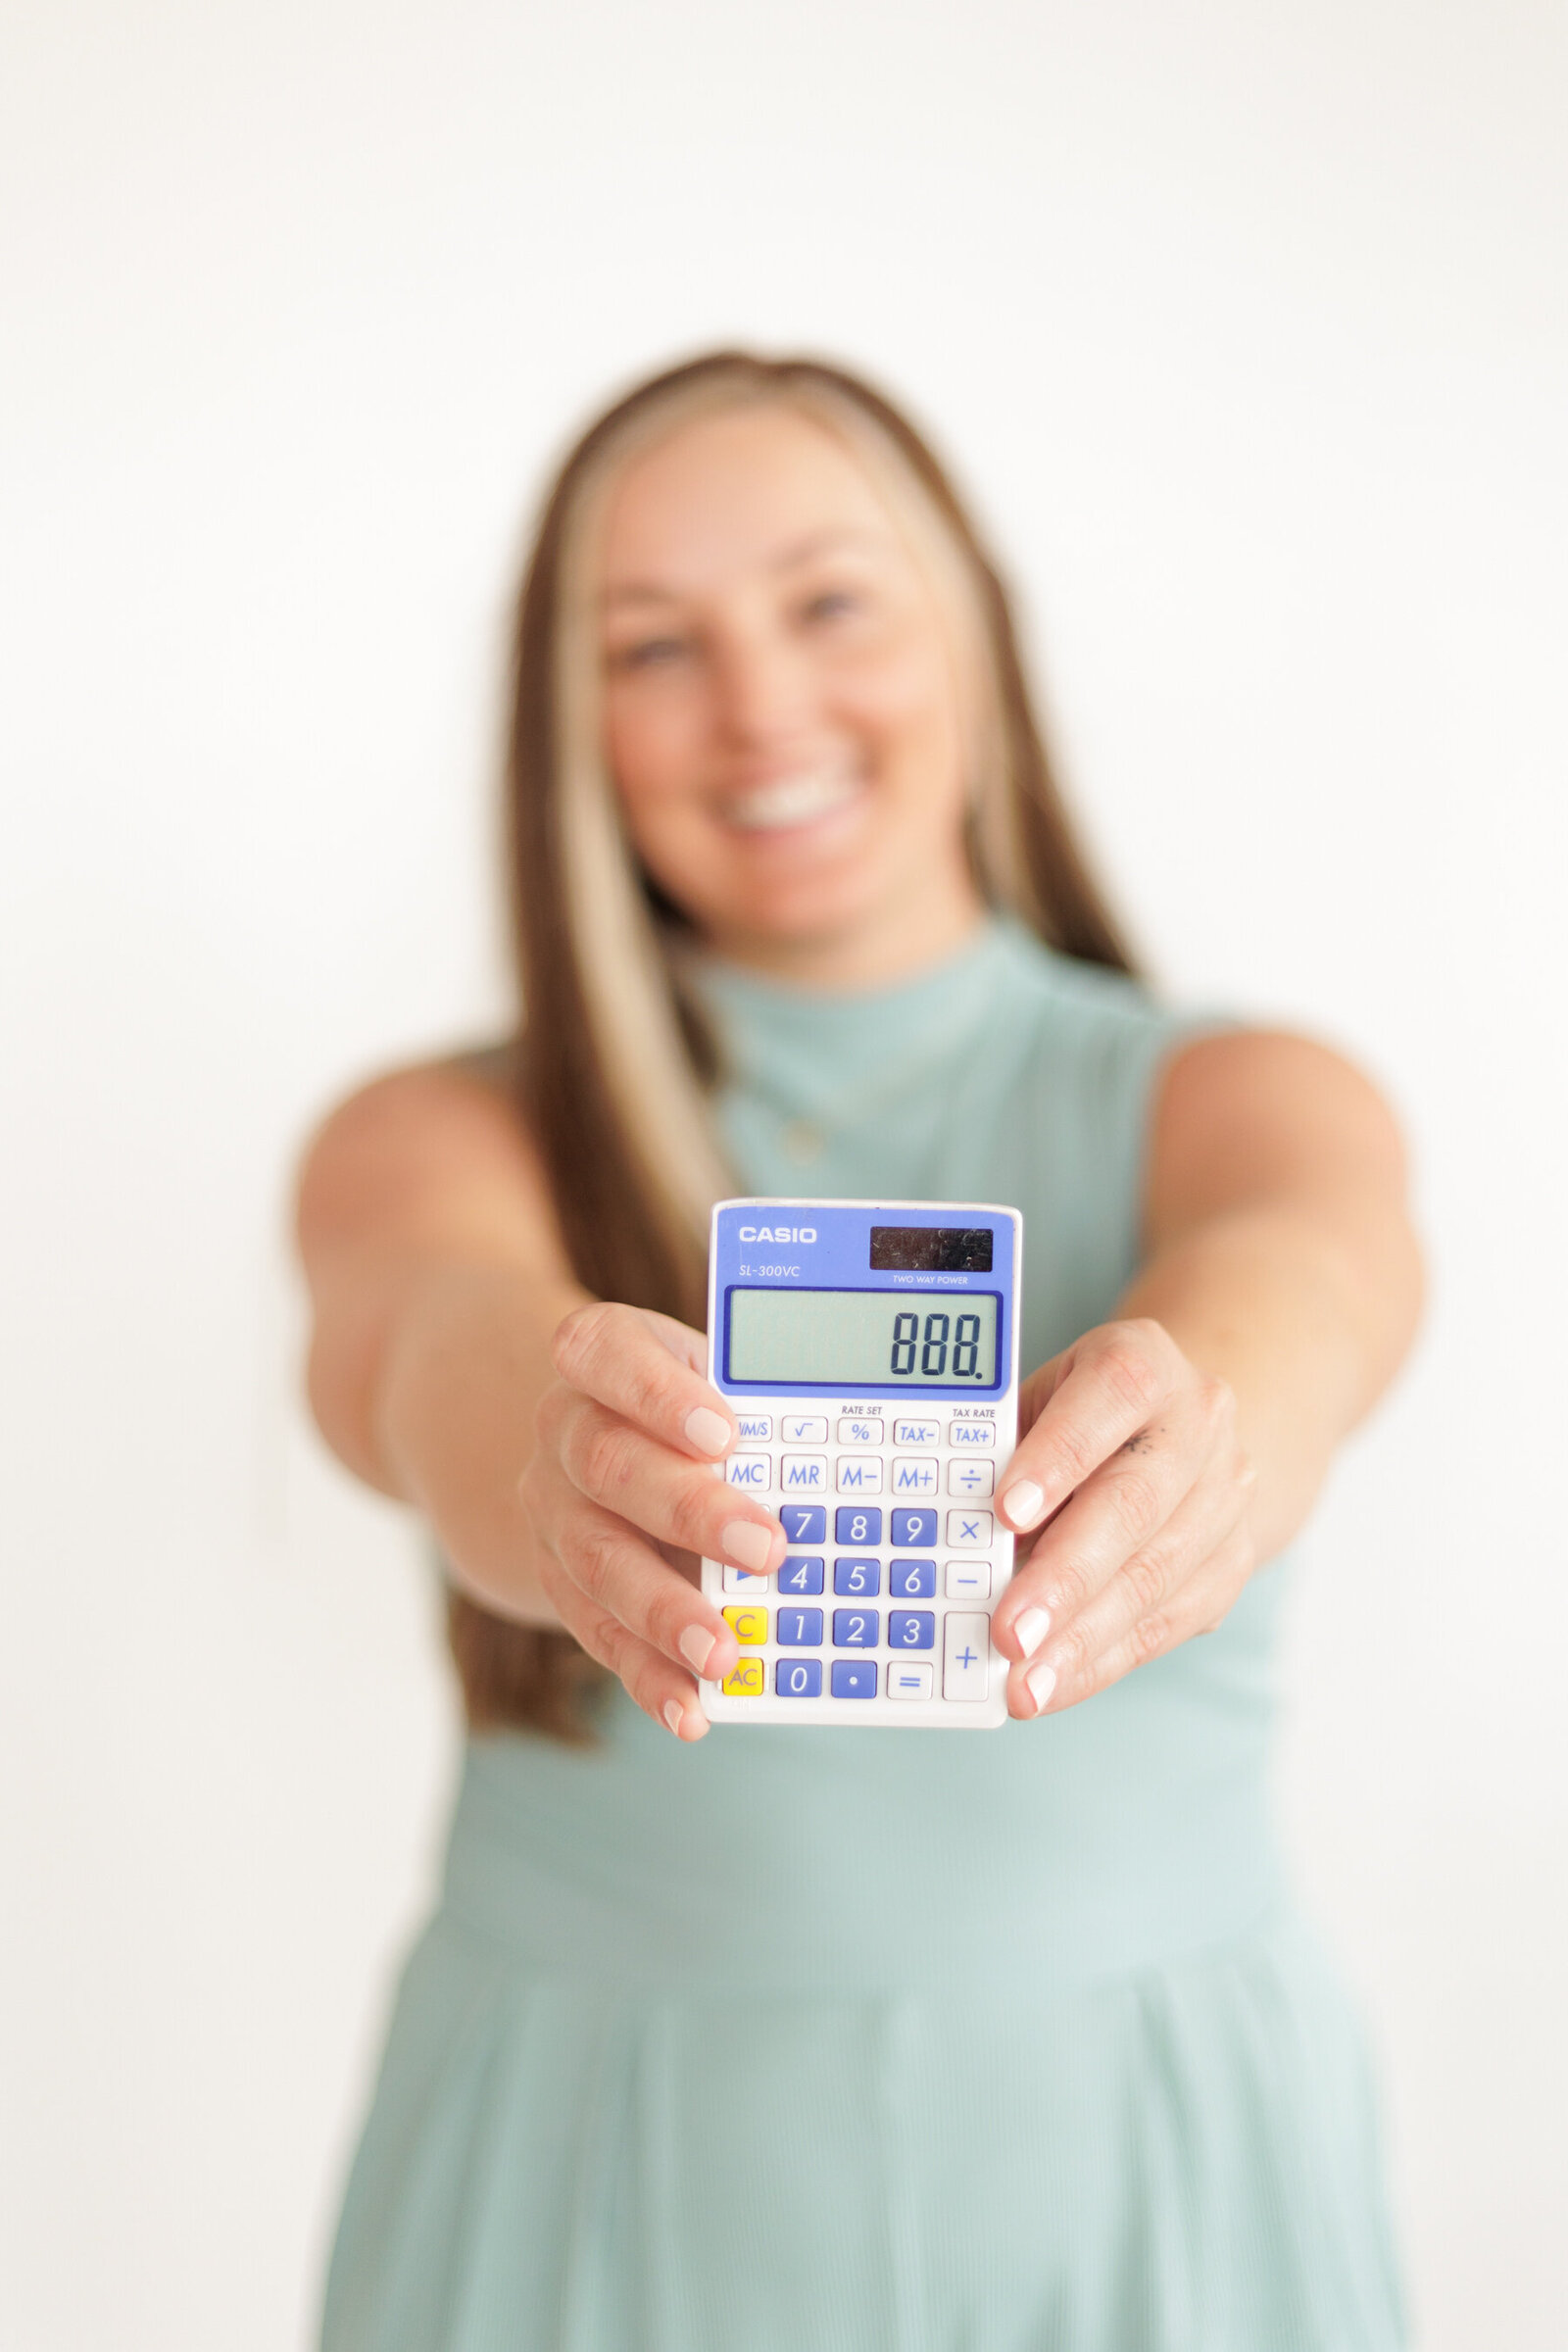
1166, 1455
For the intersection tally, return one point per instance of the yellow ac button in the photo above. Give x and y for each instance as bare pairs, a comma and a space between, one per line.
746, 1680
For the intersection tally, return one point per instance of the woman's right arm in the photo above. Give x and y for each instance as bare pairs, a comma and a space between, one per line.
555, 1445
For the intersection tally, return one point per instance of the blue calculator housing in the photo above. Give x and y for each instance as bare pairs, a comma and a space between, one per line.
869, 1352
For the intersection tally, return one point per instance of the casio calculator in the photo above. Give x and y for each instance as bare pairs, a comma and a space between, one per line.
869, 1352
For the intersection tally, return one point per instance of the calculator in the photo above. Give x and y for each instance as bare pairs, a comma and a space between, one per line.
868, 1350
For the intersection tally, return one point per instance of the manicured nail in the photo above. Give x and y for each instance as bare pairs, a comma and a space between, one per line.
1042, 1681
707, 1431
1024, 1503
674, 1715
748, 1545
1031, 1629
696, 1647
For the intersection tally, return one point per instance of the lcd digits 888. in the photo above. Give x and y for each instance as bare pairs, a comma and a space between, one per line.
931, 1346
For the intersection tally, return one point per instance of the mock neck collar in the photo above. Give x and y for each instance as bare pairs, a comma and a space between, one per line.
795, 1006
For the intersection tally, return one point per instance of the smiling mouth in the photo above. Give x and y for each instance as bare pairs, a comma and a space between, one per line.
791, 800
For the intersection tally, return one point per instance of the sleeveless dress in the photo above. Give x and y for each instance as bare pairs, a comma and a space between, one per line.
879, 2041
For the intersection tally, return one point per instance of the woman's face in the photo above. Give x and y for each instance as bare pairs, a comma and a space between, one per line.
784, 720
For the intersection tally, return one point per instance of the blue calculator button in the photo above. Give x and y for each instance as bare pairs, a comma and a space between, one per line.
853, 1523
912, 1527
855, 1678
855, 1629
907, 1629
805, 1522
799, 1678
800, 1629
908, 1579
864, 1577
801, 1574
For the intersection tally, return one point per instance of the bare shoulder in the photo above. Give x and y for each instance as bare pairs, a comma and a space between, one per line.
1245, 1112
436, 1146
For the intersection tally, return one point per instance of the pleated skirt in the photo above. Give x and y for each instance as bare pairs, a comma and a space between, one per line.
1178, 2159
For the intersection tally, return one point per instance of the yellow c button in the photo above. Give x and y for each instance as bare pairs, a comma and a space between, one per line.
747, 1680
746, 1625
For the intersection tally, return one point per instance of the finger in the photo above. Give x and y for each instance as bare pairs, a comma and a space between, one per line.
642, 1367
1116, 1511
613, 1569
1119, 1379
663, 1692
619, 1467
688, 1346
1196, 1607
1066, 1654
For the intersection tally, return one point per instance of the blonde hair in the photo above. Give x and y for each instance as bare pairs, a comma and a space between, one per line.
614, 1073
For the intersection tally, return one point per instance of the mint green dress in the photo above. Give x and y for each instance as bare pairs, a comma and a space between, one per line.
883, 2041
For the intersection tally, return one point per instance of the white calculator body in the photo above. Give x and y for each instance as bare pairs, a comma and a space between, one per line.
869, 1352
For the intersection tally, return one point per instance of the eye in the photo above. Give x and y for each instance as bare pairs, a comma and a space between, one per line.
649, 653
833, 604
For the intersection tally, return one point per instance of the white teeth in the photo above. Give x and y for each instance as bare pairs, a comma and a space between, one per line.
792, 800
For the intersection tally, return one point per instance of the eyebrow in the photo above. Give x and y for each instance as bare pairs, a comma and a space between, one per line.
788, 559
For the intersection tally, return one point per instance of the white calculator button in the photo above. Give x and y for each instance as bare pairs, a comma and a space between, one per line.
754, 1470
908, 1680
741, 1580
913, 1476
965, 1657
968, 1527
803, 1433
967, 1580
860, 1433
971, 1478
859, 1474
916, 1432
971, 1432
755, 1427
805, 1474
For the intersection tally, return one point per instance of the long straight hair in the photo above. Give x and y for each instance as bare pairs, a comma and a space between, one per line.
614, 1070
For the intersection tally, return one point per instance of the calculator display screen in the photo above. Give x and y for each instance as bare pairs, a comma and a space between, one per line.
870, 1339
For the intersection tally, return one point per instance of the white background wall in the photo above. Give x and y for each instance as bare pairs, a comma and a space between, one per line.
1246, 326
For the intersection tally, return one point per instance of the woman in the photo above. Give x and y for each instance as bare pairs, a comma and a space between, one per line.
803, 2039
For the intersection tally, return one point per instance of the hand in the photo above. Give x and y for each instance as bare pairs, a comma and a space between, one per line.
622, 1499
1129, 1464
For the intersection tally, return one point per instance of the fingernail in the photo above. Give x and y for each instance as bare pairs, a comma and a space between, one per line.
1031, 1629
1024, 1503
1042, 1681
748, 1545
674, 1715
707, 1431
696, 1647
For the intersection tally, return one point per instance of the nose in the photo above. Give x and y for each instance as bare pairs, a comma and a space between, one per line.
764, 690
